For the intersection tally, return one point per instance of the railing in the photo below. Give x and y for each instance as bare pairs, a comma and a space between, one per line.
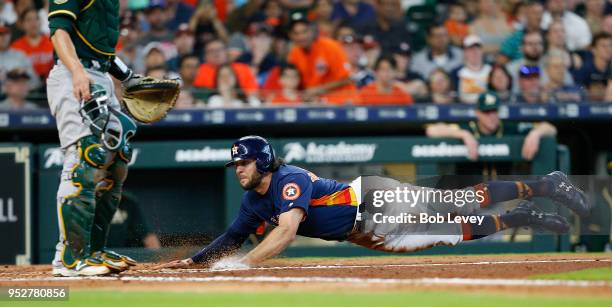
42, 119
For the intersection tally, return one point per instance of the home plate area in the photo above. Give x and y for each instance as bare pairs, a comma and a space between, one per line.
505, 273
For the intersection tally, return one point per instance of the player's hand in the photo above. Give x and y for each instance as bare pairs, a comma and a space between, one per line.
176, 264
531, 145
80, 85
472, 146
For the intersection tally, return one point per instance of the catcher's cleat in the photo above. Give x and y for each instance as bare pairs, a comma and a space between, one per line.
113, 262
565, 193
91, 266
529, 215
116, 257
62, 271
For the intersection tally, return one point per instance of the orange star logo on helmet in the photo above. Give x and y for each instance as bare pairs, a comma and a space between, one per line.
234, 150
291, 191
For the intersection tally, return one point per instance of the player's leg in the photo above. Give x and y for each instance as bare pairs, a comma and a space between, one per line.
119, 130
526, 214
108, 196
75, 197
555, 186
76, 208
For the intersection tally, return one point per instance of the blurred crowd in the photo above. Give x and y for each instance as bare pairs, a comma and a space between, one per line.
360, 52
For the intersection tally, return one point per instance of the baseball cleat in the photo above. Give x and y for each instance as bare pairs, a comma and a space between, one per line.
93, 266
126, 259
113, 262
565, 193
530, 215
62, 271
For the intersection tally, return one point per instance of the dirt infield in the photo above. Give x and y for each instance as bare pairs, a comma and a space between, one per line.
498, 273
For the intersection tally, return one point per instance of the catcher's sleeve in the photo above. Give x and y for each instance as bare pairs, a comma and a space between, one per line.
221, 246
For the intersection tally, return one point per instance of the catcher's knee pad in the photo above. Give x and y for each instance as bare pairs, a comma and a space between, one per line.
76, 197
108, 196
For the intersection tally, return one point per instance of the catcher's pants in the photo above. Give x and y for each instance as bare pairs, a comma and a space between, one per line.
65, 107
405, 236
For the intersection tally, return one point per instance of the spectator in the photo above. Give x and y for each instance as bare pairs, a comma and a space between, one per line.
127, 46
20, 7
579, 35
510, 49
440, 87
555, 39
184, 41
437, 54
359, 14
157, 20
500, 82
11, 59
236, 46
384, 90
606, 26
154, 56
239, 19
594, 14
215, 55
389, 26
260, 57
188, 69
290, 84
181, 14
34, 44
595, 71
532, 48
360, 73
530, 90
491, 26
456, 23
470, 80
322, 63
16, 89
207, 26
272, 13
321, 16
7, 12
229, 93
556, 90
488, 124
409, 80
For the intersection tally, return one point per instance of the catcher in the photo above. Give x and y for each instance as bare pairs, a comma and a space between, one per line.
94, 129
298, 202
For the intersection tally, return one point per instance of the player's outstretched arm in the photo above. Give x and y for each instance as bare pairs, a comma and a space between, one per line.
278, 239
224, 245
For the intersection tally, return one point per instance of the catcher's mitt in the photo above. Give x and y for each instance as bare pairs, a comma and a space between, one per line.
148, 99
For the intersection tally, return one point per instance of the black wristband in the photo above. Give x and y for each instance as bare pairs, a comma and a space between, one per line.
119, 70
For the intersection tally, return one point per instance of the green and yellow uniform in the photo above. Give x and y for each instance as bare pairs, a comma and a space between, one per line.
93, 26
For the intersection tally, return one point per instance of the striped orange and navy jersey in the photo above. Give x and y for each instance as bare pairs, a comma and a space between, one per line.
330, 206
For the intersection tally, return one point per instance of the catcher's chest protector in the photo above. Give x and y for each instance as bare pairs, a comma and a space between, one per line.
98, 23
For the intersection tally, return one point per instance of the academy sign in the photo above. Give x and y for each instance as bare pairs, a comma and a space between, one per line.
313, 152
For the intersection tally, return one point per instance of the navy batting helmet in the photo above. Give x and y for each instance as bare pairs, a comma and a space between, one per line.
253, 147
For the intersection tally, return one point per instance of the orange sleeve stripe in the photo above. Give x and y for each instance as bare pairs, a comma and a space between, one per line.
343, 197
